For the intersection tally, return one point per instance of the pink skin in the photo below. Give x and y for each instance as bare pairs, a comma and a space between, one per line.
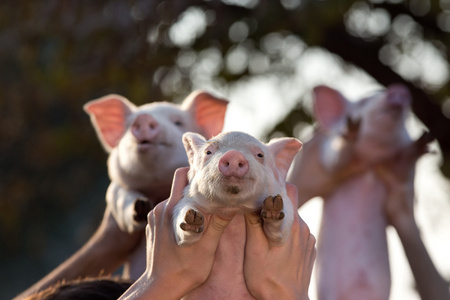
352, 258
336, 164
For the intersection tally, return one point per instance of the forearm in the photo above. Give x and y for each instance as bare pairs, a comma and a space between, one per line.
430, 284
152, 288
91, 260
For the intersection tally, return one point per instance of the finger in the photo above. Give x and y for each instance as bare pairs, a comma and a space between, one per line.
159, 207
312, 253
180, 181
216, 227
150, 226
256, 237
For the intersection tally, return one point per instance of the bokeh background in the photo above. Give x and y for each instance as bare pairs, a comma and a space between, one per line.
264, 56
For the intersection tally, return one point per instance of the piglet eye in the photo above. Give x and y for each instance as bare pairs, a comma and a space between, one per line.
208, 152
178, 123
260, 155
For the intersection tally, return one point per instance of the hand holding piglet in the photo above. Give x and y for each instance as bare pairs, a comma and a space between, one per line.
173, 271
235, 173
278, 271
397, 173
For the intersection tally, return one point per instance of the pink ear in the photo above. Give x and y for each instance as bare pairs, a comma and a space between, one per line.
109, 118
284, 151
329, 106
208, 111
192, 142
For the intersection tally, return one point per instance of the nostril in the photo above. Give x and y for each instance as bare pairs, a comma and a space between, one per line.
145, 127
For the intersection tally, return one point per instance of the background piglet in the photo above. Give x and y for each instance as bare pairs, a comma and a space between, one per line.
352, 260
234, 172
145, 148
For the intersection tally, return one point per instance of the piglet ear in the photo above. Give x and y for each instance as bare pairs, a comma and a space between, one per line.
208, 112
109, 117
192, 142
284, 151
329, 107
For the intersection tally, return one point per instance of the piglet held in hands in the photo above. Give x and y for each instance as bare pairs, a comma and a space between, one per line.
234, 172
145, 148
337, 164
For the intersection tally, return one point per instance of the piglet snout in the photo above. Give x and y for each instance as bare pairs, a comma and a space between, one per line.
145, 128
233, 164
398, 95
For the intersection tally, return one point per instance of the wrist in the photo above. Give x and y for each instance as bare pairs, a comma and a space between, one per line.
403, 223
162, 287
280, 291
406, 228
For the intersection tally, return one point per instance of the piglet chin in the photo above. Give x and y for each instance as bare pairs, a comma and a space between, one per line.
232, 185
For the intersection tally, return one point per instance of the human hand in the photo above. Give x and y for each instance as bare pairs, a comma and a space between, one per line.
397, 173
279, 271
112, 245
172, 270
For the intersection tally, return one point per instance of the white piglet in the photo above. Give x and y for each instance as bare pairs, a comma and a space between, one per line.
235, 172
145, 148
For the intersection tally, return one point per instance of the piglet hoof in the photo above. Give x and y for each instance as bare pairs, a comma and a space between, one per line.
352, 130
142, 206
272, 208
193, 221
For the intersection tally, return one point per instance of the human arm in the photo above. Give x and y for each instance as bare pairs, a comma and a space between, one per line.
398, 176
105, 251
172, 271
281, 271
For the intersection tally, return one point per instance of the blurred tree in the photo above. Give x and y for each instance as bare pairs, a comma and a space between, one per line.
57, 55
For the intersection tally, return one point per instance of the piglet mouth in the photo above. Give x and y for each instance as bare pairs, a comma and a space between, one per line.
147, 144
233, 185
232, 189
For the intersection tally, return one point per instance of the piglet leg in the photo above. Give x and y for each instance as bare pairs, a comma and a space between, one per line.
275, 224
193, 221
272, 209
189, 224
142, 206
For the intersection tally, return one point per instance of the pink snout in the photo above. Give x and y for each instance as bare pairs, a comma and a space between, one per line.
233, 164
145, 128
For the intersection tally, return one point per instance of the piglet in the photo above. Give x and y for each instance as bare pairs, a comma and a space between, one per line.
145, 148
234, 172
336, 164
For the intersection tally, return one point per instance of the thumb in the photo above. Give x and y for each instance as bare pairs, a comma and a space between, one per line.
254, 229
216, 227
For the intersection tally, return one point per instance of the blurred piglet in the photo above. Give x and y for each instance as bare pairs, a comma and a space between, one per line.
234, 172
337, 164
145, 147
